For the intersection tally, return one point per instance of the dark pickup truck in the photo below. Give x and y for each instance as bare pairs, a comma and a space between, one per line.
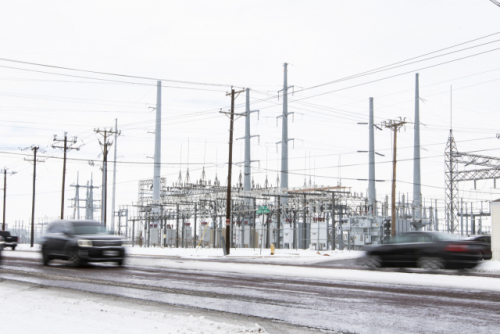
10, 240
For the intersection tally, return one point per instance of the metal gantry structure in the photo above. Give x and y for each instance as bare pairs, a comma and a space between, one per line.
454, 158
317, 217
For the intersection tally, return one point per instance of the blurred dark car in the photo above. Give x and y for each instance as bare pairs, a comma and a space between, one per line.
482, 245
427, 250
81, 241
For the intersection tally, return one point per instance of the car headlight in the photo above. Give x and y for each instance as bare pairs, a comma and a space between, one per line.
85, 243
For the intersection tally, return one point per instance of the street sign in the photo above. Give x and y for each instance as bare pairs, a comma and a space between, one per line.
262, 210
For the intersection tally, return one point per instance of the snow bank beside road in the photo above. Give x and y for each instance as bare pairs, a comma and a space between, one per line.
281, 255
488, 267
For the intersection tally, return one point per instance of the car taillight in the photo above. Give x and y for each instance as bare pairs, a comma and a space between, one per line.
456, 248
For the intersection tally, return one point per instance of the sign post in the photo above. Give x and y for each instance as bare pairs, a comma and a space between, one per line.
262, 210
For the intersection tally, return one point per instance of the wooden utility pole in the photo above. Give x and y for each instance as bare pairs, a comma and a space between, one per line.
229, 170
394, 126
65, 149
35, 149
5, 194
105, 144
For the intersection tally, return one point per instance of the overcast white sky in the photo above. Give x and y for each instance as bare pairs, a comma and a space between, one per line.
217, 44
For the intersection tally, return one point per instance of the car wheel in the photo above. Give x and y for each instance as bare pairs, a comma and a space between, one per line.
45, 257
373, 261
119, 263
75, 259
430, 263
13, 248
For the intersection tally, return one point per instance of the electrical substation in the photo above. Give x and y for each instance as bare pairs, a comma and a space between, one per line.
194, 212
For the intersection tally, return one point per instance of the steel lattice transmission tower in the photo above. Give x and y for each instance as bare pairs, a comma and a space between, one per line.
451, 183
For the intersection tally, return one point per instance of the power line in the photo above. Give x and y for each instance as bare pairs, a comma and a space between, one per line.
105, 80
406, 62
388, 77
113, 74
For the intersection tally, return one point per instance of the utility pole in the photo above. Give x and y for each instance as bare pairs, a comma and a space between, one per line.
114, 177
34, 149
104, 145
284, 133
417, 188
157, 158
394, 125
65, 148
5, 194
230, 165
247, 178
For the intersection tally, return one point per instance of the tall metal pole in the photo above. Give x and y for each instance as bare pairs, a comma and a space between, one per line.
114, 179
157, 160
157, 157
195, 213
393, 200
35, 149
417, 205
333, 221
371, 161
177, 229
247, 180
284, 134
304, 233
279, 223
4, 196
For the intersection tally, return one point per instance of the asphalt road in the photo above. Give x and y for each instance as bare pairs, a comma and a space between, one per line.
308, 304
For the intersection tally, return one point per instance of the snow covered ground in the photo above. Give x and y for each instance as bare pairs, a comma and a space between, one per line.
35, 309
264, 255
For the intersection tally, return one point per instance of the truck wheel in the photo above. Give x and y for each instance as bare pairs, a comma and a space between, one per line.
45, 257
373, 261
75, 259
13, 248
430, 263
119, 263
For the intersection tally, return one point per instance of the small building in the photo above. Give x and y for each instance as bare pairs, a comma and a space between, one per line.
495, 229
